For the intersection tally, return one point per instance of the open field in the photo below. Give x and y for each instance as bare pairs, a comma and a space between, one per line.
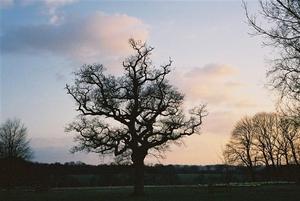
287, 192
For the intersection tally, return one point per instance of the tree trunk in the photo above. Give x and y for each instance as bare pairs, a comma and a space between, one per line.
138, 165
286, 158
294, 152
250, 166
138, 179
266, 159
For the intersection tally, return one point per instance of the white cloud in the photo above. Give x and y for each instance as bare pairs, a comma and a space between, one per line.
87, 39
49, 7
53, 6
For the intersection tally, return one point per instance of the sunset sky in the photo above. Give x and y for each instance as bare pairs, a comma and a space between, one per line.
216, 62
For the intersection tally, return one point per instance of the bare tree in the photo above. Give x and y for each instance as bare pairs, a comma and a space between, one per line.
240, 150
268, 139
283, 143
291, 135
130, 115
13, 141
282, 31
266, 135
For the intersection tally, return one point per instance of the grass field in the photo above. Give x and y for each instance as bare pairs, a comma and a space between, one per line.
289, 192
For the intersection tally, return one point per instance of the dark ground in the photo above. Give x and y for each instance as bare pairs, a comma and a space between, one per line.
282, 192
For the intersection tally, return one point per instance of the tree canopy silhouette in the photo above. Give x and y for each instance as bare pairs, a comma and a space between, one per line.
240, 150
282, 31
268, 139
133, 114
13, 141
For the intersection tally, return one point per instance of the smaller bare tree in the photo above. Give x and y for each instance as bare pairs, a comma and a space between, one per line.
283, 144
13, 141
290, 134
266, 135
240, 149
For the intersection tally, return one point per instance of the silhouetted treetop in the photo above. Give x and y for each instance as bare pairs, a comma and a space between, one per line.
281, 30
13, 140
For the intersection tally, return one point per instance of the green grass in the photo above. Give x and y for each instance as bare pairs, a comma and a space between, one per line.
286, 192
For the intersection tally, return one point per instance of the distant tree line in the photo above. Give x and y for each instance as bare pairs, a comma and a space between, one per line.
266, 139
73, 174
41, 176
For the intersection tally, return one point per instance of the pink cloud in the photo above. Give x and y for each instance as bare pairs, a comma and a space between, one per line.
213, 83
90, 39
113, 31
213, 71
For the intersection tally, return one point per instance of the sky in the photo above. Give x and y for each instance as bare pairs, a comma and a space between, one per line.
216, 62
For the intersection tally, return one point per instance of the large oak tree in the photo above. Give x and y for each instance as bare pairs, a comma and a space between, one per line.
132, 114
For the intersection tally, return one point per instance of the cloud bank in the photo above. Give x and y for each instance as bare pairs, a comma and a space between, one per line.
82, 39
215, 84
221, 88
